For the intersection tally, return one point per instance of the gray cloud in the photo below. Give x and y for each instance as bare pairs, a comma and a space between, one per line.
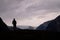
28, 9
51, 5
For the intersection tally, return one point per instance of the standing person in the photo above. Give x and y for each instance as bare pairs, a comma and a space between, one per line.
14, 23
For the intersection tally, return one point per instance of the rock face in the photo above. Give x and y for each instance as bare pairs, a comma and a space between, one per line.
3, 26
53, 25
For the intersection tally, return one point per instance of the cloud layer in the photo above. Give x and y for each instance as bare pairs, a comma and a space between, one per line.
27, 12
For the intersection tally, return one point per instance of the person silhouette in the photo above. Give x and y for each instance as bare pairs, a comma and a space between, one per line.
14, 23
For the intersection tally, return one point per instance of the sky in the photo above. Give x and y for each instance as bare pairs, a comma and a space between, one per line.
29, 12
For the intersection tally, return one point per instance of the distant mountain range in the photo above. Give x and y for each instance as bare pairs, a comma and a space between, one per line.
52, 25
22, 27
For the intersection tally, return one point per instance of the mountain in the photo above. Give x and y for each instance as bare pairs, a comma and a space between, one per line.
11, 28
3, 26
21, 28
43, 26
53, 25
26, 27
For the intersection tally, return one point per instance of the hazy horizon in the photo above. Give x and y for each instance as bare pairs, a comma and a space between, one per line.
29, 12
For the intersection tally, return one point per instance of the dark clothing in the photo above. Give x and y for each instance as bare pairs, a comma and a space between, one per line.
14, 24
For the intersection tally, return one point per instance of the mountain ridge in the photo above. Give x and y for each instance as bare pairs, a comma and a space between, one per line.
52, 25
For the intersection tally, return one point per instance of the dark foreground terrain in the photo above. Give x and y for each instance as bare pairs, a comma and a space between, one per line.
28, 34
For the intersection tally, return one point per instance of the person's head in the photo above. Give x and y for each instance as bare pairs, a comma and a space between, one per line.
14, 19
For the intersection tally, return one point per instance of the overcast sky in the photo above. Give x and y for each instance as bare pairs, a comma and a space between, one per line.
29, 12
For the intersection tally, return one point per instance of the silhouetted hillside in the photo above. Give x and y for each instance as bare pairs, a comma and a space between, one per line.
53, 25
12, 29
3, 26
43, 26
25, 27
